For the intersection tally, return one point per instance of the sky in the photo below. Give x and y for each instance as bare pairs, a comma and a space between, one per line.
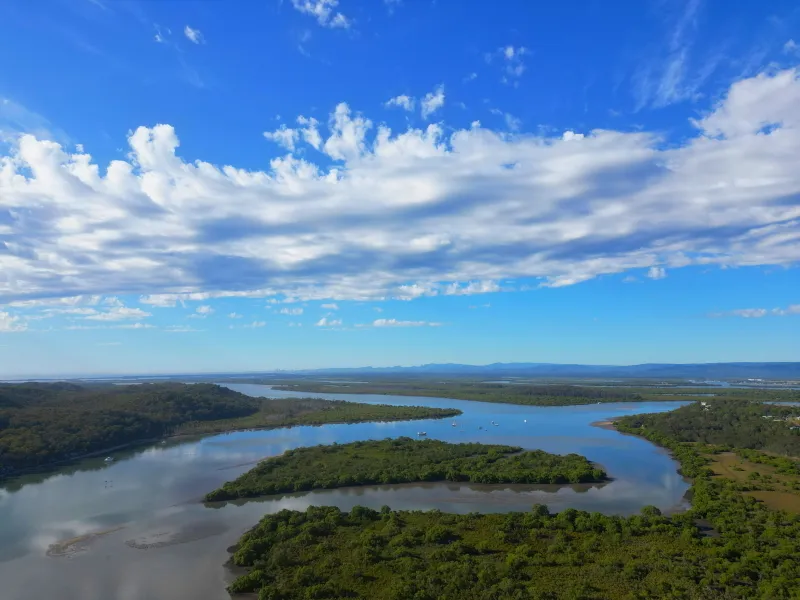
195, 186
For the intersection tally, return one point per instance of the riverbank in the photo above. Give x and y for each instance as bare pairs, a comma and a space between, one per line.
334, 412
158, 491
404, 460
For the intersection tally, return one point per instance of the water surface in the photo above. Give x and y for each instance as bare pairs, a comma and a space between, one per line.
135, 529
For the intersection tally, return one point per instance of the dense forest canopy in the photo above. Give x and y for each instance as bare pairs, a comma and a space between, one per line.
41, 423
728, 546
730, 422
405, 460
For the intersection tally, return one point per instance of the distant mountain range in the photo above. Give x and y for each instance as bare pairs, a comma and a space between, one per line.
762, 370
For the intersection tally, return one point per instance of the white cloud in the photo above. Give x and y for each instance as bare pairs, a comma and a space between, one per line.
473, 287
256, 325
291, 311
750, 313
283, 136
181, 329
10, 323
403, 214
326, 322
118, 313
793, 309
791, 47
194, 35
512, 123
402, 101
656, 272
331, 306
511, 58
204, 310
471, 77
324, 12
234, 315
432, 102
757, 313
124, 326
396, 323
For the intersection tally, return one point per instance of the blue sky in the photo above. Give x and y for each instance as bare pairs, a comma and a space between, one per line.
209, 186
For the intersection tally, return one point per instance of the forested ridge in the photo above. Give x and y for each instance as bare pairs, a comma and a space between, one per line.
404, 460
728, 546
43, 423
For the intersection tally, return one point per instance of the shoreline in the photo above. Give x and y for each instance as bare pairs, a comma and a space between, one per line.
52, 466
607, 424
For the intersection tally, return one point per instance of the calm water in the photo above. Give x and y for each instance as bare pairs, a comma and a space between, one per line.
143, 534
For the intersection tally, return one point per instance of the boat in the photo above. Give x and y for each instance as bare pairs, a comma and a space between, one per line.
109, 459
454, 424
524, 420
495, 424
421, 433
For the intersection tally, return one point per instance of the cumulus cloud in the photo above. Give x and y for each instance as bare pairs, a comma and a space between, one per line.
402, 101
291, 311
432, 102
396, 323
331, 306
324, 12
791, 47
326, 322
387, 214
10, 322
656, 272
194, 35
256, 325
234, 315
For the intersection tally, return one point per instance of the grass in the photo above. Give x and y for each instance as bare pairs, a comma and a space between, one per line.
776, 490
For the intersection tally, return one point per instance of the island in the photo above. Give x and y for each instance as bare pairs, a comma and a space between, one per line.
557, 393
43, 424
404, 460
733, 543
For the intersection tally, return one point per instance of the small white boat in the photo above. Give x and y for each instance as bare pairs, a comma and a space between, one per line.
524, 420
421, 433
495, 424
454, 424
109, 459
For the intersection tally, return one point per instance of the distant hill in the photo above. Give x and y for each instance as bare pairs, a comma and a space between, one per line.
771, 370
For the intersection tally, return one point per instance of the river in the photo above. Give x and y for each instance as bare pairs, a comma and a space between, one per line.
135, 529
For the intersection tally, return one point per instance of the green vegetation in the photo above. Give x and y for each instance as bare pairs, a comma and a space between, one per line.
555, 393
535, 395
731, 422
289, 412
404, 460
728, 546
41, 424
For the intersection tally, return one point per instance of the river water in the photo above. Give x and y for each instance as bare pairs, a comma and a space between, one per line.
135, 529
